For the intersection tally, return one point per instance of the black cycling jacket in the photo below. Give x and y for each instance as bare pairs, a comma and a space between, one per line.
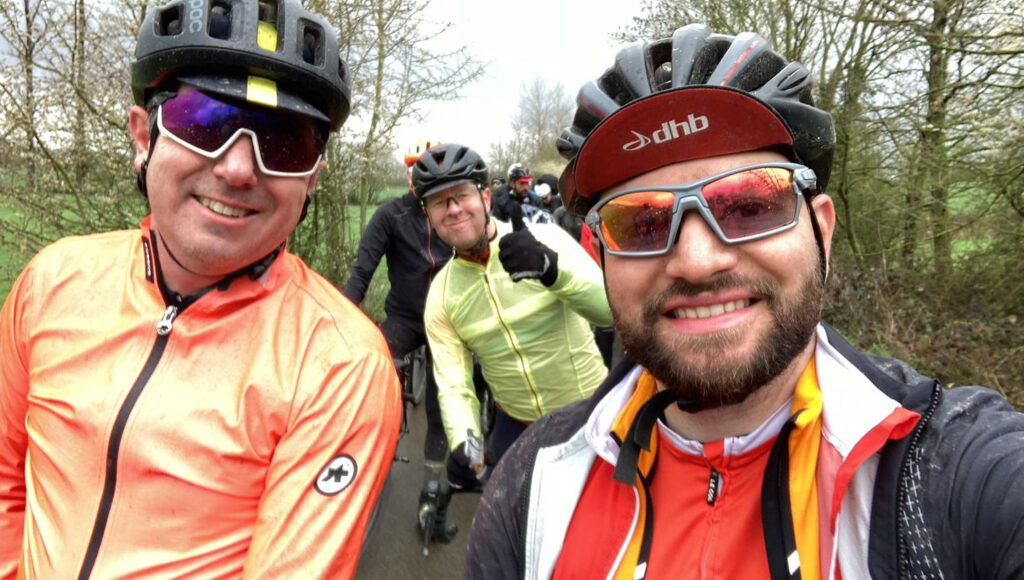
400, 231
502, 199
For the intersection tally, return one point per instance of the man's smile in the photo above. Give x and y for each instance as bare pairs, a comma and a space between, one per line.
223, 209
710, 310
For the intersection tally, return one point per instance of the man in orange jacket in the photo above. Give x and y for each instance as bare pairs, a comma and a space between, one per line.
189, 398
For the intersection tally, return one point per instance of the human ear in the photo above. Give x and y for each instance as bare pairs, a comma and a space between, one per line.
138, 126
825, 213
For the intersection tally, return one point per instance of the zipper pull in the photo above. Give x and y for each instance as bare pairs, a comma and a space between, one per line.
163, 328
713, 485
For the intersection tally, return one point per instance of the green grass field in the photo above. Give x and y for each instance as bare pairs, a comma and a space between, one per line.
11, 260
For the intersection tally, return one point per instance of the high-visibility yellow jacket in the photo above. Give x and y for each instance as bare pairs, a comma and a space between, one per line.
535, 344
248, 440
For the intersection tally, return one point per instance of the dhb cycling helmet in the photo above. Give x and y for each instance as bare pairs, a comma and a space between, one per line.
693, 95
221, 46
446, 166
518, 172
417, 149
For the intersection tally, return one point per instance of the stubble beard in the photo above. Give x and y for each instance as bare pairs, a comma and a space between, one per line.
477, 251
719, 381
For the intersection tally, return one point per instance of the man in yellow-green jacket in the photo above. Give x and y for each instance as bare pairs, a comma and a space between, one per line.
521, 300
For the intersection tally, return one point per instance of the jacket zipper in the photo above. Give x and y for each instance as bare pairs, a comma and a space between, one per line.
508, 331
163, 331
901, 487
713, 485
714, 489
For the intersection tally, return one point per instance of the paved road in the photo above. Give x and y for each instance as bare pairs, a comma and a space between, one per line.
395, 549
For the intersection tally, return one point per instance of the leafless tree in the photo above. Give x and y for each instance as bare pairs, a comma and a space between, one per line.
394, 71
64, 98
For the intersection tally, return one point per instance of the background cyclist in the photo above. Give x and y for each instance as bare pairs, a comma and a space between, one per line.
516, 192
546, 194
400, 232
522, 302
189, 399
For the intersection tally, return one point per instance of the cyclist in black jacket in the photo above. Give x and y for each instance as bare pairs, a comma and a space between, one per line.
515, 192
399, 231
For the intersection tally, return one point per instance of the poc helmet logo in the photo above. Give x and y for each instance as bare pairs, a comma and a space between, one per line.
196, 11
669, 130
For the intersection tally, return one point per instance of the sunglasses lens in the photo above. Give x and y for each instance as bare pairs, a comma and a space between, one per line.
744, 204
289, 144
752, 202
637, 222
293, 147
199, 120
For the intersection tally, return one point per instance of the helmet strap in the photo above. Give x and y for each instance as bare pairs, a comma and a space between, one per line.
485, 238
140, 177
254, 270
818, 239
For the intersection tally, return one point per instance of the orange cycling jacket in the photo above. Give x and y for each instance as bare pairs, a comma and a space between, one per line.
248, 437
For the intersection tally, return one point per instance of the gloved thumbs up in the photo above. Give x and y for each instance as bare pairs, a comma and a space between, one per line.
516, 217
523, 256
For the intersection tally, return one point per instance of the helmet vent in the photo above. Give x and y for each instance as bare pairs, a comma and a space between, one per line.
342, 71
758, 72
312, 44
168, 23
659, 63
458, 156
268, 12
708, 59
612, 85
220, 20
663, 77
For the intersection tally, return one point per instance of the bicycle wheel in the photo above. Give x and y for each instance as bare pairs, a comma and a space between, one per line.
419, 375
486, 411
371, 524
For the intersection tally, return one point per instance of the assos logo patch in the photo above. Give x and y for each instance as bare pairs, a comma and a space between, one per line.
336, 475
669, 130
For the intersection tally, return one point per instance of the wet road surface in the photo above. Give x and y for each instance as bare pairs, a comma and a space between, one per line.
395, 548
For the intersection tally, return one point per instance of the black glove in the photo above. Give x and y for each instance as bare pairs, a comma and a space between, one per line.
460, 465
523, 256
515, 215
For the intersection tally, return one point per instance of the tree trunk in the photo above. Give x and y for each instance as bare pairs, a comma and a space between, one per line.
935, 158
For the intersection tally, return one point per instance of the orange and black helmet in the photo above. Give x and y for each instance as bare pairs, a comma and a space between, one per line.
417, 149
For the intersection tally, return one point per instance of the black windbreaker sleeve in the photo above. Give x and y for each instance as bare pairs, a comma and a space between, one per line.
972, 464
496, 539
372, 246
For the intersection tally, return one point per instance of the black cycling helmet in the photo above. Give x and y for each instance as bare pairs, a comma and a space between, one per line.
518, 172
220, 46
446, 166
693, 95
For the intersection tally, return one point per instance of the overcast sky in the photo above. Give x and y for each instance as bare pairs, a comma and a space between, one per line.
566, 41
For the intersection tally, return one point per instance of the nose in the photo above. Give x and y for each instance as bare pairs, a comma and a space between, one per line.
452, 206
698, 254
237, 166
